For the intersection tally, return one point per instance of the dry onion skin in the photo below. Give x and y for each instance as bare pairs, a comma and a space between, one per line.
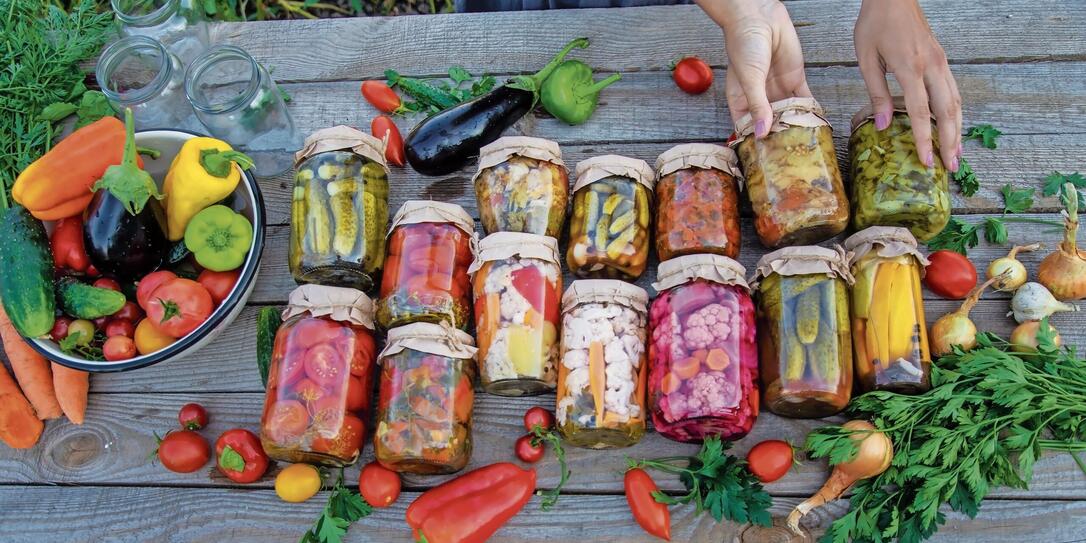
1013, 269
956, 328
1024, 337
1064, 271
1033, 302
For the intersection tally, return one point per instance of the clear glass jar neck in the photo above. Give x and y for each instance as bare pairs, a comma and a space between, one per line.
201, 68
157, 16
115, 56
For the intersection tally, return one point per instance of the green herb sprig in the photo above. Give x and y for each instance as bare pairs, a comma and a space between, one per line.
966, 178
550, 497
344, 507
986, 134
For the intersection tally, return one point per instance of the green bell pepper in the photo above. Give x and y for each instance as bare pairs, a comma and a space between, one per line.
219, 238
570, 93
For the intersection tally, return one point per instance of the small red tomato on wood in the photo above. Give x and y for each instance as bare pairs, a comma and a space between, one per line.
120, 327
950, 274
529, 449
381, 96
538, 416
692, 75
192, 416
382, 125
119, 348
651, 515
379, 485
183, 451
240, 457
770, 460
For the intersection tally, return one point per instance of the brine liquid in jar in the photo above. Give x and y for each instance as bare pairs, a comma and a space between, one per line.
697, 201
522, 186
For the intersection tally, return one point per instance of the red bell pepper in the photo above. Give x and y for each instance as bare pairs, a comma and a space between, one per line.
539, 292
240, 456
470, 508
67, 243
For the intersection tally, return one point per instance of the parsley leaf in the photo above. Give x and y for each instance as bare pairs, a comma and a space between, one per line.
957, 236
985, 133
344, 507
995, 231
966, 179
1055, 182
1017, 200
92, 106
459, 74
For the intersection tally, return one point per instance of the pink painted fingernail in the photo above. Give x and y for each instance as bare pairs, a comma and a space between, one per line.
760, 129
959, 150
882, 120
929, 159
953, 163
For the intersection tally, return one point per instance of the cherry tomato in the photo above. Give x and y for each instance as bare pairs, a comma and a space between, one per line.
770, 460
182, 451
192, 416
308, 391
149, 283
381, 96
218, 284
100, 323
379, 485
324, 364
651, 515
120, 327
286, 421
129, 311
529, 449
107, 283
692, 75
363, 354
297, 483
84, 328
149, 339
92, 271
382, 125
179, 306
538, 416
60, 328
119, 348
950, 274
347, 443
356, 395
313, 330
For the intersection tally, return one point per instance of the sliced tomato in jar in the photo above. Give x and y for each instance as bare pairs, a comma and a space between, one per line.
325, 364
356, 394
363, 353
290, 370
286, 421
463, 397
328, 415
308, 391
346, 443
312, 331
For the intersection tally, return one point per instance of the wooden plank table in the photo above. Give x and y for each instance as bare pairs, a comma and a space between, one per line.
1020, 67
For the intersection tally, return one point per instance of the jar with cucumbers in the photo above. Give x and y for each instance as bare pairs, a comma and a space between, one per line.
792, 177
522, 186
889, 330
804, 338
339, 209
697, 201
891, 186
609, 230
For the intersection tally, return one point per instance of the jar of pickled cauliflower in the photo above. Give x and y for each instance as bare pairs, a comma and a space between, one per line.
517, 284
804, 337
697, 201
612, 211
602, 372
792, 178
703, 354
339, 209
891, 186
522, 186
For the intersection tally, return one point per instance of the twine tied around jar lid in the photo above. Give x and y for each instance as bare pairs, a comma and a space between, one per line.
684, 269
804, 260
503, 245
800, 111
599, 167
888, 241
430, 211
706, 156
583, 291
343, 138
340, 303
867, 112
438, 339
502, 149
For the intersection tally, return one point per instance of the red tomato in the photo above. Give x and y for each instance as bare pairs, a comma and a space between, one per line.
313, 330
119, 348
538, 416
356, 395
770, 460
529, 449
107, 283
308, 391
100, 323
382, 125
60, 328
183, 451
290, 369
381, 96
463, 398
325, 365
179, 306
692, 75
120, 327
218, 284
92, 271
347, 443
950, 274
651, 515
379, 486
363, 353
192, 416
149, 283
240, 456
328, 414
129, 311
286, 421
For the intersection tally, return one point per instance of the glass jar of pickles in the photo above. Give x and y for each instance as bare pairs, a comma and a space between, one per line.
522, 186
339, 209
320, 378
426, 270
703, 356
601, 378
425, 400
609, 231
517, 283
891, 186
792, 178
889, 329
804, 338
697, 201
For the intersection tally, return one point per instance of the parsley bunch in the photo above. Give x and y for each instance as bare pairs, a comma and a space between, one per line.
988, 417
967, 181
344, 507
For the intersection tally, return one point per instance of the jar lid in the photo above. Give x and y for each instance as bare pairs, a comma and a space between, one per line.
503, 149
420, 211
585, 291
698, 155
804, 260
786, 114
684, 269
503, 245
343, 138
599, 167
342, 304
867, 112
440, 339
889, 241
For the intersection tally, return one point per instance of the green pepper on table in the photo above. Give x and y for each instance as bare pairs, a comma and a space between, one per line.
570, 93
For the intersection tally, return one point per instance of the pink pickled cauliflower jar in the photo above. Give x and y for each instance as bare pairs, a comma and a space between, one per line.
703, 354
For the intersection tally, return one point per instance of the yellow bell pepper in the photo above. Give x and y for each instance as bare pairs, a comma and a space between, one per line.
201, 174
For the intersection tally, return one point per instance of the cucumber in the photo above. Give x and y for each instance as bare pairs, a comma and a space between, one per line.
267, 324
26, 273
84, 301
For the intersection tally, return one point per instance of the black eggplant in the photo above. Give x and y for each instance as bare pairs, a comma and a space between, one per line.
446, 141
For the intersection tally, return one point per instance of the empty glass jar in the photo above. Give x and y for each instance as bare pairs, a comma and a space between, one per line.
138, 72
179, 28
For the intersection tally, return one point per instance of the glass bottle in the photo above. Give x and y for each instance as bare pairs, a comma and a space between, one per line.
138, 72
697, 201
182, 30
522, 186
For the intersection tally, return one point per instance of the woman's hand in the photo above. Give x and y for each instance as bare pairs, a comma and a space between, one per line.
765, 62
892, 36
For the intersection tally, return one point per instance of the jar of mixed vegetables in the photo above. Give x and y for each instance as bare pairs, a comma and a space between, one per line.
891, 186
609, 231
697, 201
425, 400
339, 209
320, 378
601, 379
517, 283
804, 330
426, 271
889, 330
522, 186
703, 357
792, 178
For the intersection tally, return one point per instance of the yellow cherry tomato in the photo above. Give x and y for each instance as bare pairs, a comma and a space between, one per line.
149, 339
297, 483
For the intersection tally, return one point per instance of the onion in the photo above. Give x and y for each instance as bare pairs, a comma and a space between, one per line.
1024, 337
956, 328
1014, 269
1064, 271
1033, 302
872, 458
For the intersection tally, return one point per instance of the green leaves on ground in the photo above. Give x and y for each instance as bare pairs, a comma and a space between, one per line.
434, 95
1017, 200
986, 134
966, 179
958, 236
1054, 182
344, 507
995, 231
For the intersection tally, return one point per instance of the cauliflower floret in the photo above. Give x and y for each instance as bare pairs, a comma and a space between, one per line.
575, 358
613, 352
576, 332
634, 347
513, 306
577, 380
617, 400
621, 371
592, 313
561, 411
711, 393
707, 325
498, 365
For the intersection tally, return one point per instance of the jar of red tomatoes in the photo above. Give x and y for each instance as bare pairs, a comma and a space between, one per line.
517, 283
522, 186
425, 400
426, 271
703, 354
697, 201
320, 378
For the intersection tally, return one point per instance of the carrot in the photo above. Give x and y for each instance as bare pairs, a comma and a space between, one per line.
31, 370
19, 427
71, 388
596, 375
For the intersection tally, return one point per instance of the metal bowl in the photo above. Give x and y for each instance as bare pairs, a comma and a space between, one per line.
246, 200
